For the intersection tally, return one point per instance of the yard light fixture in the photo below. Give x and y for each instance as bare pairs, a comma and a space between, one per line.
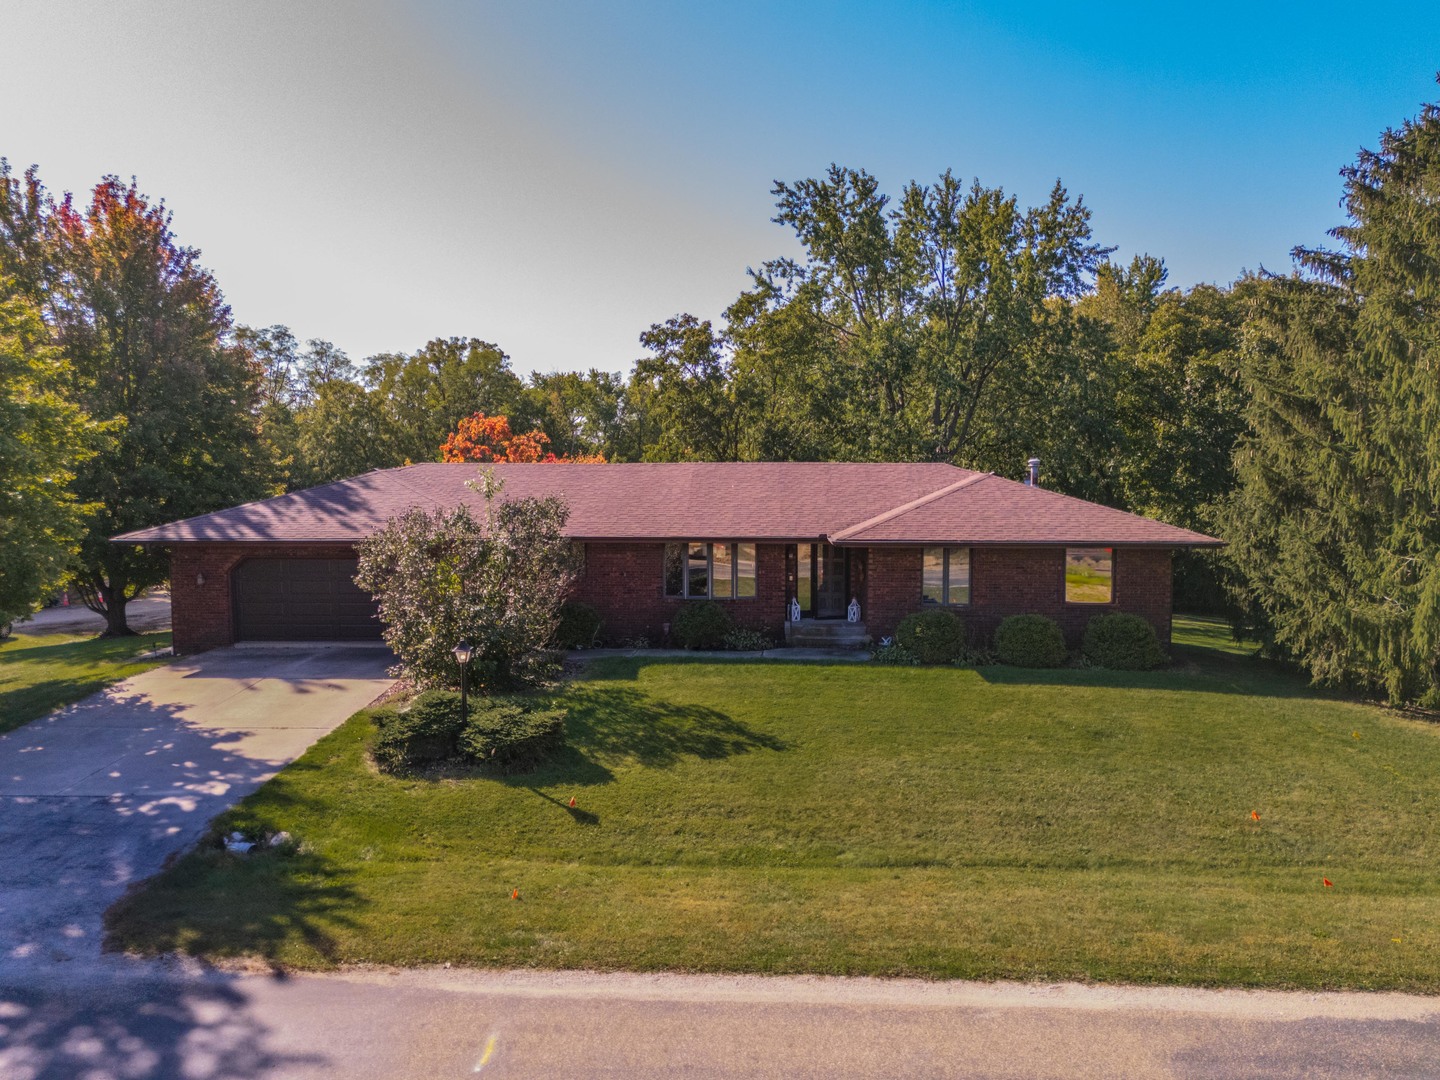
463, 651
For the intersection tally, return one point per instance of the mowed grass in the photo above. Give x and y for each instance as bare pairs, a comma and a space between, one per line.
39, 673
1189, 632
773, 817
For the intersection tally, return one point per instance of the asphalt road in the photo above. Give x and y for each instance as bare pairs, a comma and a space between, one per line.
145, 615
118, 1018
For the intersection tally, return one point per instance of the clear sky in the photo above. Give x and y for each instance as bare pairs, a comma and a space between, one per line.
555, 177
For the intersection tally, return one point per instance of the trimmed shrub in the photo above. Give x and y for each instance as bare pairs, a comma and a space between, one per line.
1030, 641
509, 735
512, 736
579, 626
891, 653
974, 656
1122, 643
701, 625
935, 636
423, 732
743, 639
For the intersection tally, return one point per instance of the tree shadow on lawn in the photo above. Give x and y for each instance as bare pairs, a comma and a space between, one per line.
77, 649
30, 700
615, 723
1194, 670
211, 902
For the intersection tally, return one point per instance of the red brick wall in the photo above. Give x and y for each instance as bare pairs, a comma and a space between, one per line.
626, 585
203, 615
892, 588
1019, 581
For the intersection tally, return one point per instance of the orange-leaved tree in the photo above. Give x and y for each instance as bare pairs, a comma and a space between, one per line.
489, 438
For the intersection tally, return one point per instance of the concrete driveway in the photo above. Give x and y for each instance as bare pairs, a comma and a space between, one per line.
96, 796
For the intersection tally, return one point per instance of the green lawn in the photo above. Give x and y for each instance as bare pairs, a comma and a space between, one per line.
773, 817
1203, 632
42, 672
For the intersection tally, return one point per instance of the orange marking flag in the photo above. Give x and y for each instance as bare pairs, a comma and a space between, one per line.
515, 894
1328, 883
572, 802
1254, 815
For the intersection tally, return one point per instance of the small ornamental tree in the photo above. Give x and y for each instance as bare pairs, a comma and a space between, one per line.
496, 581
489, 438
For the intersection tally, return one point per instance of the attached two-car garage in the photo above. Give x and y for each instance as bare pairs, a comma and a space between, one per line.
301, 600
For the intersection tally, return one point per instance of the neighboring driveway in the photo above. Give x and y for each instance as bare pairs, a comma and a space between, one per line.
97, 795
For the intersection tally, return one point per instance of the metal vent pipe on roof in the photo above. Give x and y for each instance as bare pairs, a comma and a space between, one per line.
1032, 472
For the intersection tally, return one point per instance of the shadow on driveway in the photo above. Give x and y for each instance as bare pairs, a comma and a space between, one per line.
195, 1028
97, 796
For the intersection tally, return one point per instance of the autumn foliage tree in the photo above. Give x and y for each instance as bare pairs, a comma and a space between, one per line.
488, 439
150, 344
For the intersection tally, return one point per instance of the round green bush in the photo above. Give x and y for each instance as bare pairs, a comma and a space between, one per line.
935, 636
1122, 643
425, 731
702, 625
512, 736
579, 626
1030, 641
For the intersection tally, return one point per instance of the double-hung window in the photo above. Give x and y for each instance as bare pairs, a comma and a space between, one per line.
700, 570
945, 577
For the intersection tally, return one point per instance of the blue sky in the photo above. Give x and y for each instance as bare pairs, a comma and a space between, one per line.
556, 177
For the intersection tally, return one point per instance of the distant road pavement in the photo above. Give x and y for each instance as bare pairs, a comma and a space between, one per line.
148, 614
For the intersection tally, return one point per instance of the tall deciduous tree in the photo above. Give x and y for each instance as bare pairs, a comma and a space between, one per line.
1335, 523
685, 389
425, 394
42, 438
586, 414
26, 246
148, 337
913, 310
341, 432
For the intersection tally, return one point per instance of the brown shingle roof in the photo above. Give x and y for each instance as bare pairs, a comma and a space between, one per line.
846, 502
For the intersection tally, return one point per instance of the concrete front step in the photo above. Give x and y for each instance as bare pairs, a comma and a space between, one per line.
826, 634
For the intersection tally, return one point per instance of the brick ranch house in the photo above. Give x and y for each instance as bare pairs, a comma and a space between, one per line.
892, 538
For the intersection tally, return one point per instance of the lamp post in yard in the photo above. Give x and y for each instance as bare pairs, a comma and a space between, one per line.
463, 651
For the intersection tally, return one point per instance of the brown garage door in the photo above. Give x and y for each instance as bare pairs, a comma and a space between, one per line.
302, 600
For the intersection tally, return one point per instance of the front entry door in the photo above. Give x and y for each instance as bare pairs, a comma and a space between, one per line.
829, 582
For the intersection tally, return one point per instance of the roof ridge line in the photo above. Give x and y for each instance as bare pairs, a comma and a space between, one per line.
1103, 506
406, 483
913, 504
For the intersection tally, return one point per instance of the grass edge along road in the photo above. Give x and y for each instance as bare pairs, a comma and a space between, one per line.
42, 672
751, 816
